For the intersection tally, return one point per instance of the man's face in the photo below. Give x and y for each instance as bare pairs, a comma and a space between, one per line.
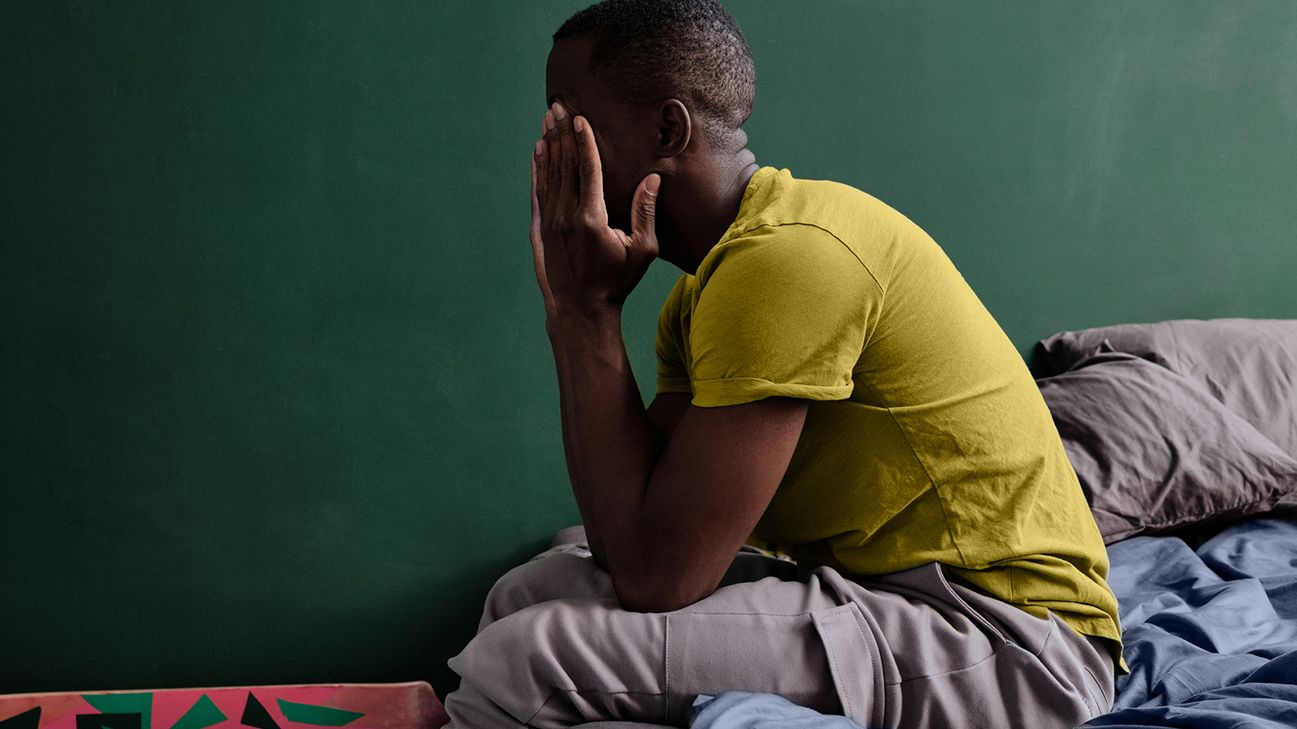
620, 135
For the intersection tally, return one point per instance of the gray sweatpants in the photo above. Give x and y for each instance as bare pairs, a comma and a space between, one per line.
910, 649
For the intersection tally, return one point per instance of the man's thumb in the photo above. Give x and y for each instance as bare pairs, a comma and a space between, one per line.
643, 212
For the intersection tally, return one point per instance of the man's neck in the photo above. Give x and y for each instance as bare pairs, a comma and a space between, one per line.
700, 216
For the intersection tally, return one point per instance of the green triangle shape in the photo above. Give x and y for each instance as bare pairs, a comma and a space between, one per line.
317, 715
141, 703
202, 714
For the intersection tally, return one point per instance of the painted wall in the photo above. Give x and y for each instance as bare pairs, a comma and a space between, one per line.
276, 402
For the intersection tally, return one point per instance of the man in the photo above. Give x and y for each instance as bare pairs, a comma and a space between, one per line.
829, 388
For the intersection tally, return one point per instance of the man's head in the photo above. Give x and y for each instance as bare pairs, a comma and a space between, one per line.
662, 82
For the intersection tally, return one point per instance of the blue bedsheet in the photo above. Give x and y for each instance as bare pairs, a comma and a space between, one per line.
1210, 634
744, 710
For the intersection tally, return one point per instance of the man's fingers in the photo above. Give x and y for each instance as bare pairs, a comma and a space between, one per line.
535, 203
537, 248
591, 171
538, 183
549, 203
569, 184
643, 215
537, 245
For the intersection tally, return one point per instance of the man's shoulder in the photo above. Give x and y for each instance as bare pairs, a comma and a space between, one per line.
777, 251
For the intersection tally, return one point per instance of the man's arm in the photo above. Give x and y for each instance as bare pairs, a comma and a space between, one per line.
664, 517
669, 514
665, 412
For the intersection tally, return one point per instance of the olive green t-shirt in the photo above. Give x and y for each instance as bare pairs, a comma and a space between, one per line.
926, 438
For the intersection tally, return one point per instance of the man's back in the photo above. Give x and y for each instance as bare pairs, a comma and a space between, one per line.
927, 439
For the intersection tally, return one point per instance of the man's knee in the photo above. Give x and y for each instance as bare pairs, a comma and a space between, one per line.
498, 667
562, 661
513, 591
555, 573
518, 661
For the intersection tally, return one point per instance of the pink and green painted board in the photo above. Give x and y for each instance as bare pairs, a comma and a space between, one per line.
410, 705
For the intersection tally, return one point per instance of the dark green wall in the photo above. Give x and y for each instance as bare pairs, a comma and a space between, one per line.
277, 404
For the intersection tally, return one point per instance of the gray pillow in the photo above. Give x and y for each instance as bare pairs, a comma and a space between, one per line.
1249, 365
1155, 453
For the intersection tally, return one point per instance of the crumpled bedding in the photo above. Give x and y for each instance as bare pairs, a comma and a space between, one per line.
1210, 634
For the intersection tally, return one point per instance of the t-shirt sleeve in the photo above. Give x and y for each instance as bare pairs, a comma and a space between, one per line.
671, 373
785, 310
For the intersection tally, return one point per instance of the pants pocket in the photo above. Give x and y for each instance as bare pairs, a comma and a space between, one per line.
788, 655
854, 661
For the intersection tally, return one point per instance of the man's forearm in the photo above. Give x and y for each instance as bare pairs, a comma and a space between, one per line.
610, 444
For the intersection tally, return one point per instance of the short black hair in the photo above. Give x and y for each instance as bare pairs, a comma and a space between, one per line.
652, 50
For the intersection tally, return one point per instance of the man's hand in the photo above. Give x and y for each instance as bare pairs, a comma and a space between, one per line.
664, 514
582, 265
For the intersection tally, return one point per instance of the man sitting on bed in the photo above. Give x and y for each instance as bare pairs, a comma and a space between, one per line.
829, 390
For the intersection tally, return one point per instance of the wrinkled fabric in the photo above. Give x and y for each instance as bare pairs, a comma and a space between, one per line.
745, 710
910, 650
1249, 365
1211, 634
1155, 452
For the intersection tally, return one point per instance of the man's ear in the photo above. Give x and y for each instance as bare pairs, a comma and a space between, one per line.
675, 128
